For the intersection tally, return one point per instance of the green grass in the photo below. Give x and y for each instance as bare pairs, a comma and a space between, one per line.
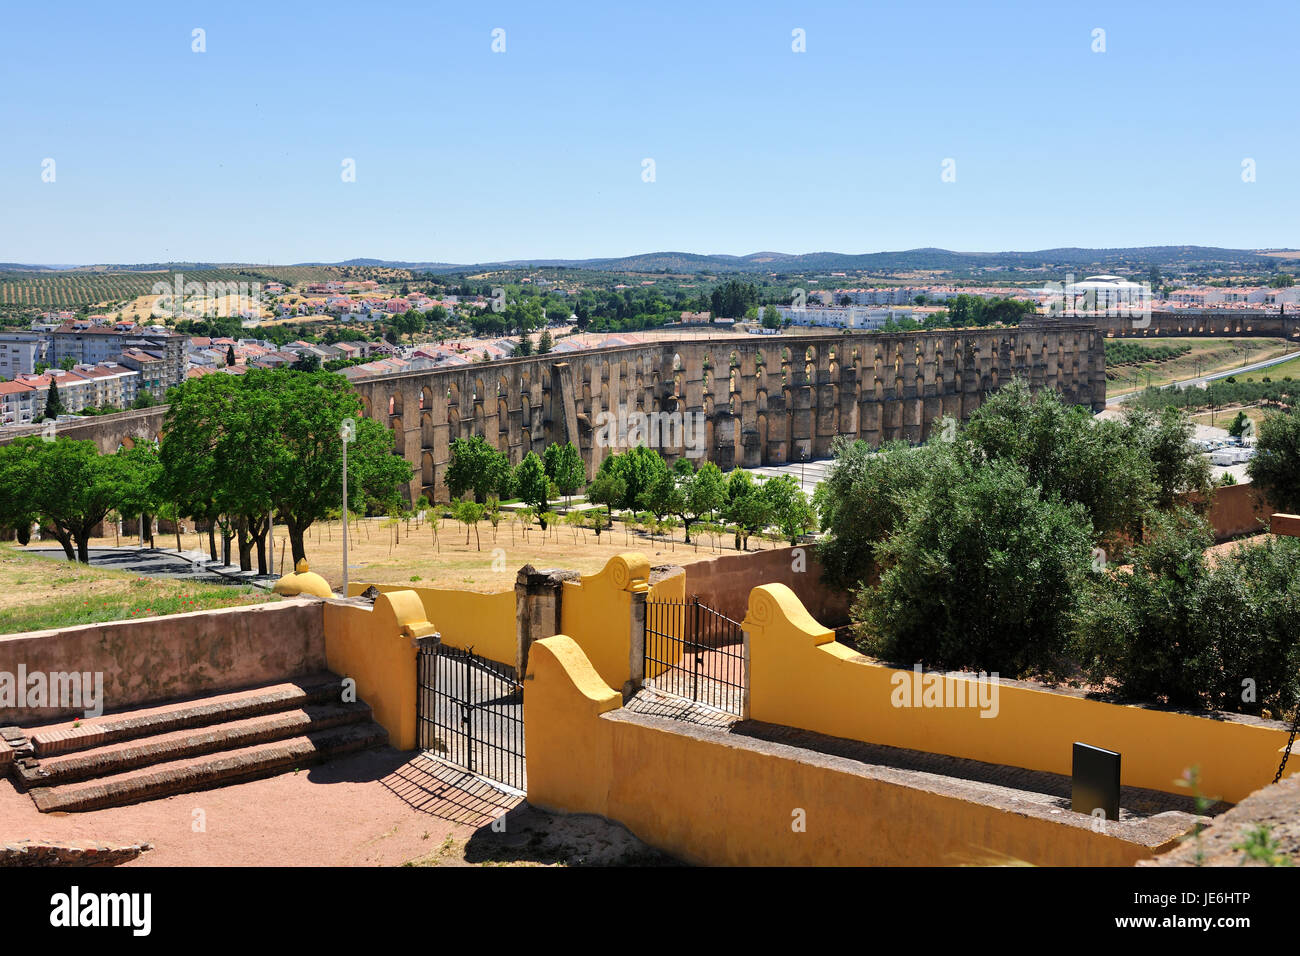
1275, 373
42, 593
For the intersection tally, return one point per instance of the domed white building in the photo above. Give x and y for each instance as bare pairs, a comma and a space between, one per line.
1103, 293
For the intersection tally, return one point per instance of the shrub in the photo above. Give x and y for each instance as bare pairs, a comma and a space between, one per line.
982, 572
1181, 631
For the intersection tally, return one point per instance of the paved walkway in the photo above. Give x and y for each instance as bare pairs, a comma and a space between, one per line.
162, 562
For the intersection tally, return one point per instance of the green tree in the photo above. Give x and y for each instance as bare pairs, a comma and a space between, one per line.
230, 356
66, 485
469, 513
746, 509
1165, 440
306, 362
544, 342
982, 572
242, 446
565, 467
1108, 467
700, 493
1176, 629
609, 490
478, 467
1238, 426
664, 496
1275, 469
791, 510
533, 486
861, 500
141, 493
53, 404
638, 468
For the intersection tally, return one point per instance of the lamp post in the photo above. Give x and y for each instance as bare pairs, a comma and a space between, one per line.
347, 432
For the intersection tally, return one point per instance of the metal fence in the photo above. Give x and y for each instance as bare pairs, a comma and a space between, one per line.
696, 653
469, 712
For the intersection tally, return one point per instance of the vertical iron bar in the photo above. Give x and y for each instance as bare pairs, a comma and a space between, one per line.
695, 635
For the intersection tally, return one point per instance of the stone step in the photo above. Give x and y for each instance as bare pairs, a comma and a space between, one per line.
178, 744
72, 736
192, 774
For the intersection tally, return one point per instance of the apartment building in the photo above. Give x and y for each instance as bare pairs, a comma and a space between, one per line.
20, 352
91, 344
151, 368
25, 399
18, 404
850, 317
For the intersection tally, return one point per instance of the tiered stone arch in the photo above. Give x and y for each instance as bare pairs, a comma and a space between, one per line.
760, 401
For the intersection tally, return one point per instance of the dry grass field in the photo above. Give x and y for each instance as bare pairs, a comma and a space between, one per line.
382, 552
1222, 417
1207, 355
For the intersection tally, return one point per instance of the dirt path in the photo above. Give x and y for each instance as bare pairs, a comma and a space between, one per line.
378, 808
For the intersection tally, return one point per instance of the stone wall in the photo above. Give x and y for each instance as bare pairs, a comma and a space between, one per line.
760, 400
1226, 322
724, 583
108, 432
155, 659
76, 853
1238, 510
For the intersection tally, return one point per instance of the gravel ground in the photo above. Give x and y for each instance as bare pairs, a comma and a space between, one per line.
377, 808
1276, 807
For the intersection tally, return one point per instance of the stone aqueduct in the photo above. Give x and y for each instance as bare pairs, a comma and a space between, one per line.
1219, 322
764, 400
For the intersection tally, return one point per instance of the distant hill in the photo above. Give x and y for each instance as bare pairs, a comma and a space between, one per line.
927, 259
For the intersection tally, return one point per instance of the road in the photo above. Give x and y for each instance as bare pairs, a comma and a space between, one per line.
1198, 382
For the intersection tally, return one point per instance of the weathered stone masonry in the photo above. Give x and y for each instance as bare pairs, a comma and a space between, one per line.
765, 400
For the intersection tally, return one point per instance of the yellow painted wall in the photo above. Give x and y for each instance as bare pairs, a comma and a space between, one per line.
710, 800
596, 612
466, 619
375, 647
801, 678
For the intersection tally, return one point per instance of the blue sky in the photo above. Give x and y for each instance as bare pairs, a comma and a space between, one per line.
467, 155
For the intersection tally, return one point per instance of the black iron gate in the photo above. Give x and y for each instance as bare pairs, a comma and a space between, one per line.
696, 653
470, 712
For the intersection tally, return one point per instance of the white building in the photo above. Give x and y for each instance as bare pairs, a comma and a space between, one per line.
1104, 293
20, 352
841, 317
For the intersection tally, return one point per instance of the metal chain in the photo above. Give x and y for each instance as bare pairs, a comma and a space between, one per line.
1295, 726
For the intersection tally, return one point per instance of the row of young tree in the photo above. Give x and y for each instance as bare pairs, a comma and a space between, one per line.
237, 454
636, 481
640, 479
998, 546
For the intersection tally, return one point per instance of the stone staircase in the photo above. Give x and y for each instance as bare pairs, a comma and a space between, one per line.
191, 745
